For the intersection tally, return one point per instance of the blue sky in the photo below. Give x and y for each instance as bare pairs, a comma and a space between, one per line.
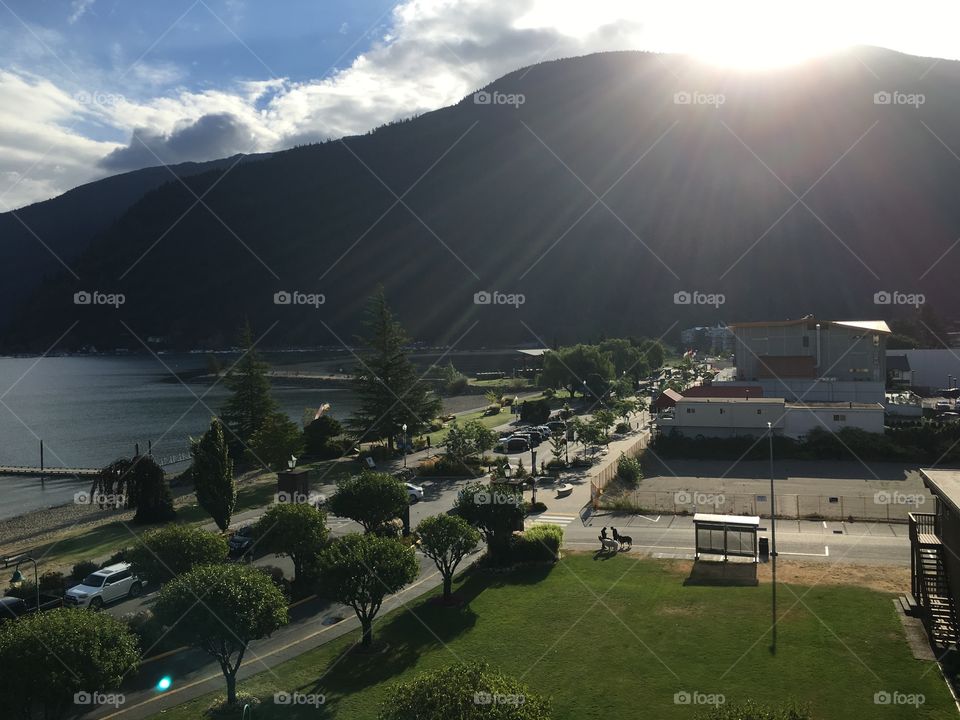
93, 87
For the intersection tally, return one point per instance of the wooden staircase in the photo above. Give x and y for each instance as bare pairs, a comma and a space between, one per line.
932, 588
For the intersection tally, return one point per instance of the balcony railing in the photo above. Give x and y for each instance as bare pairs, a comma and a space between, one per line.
923, 524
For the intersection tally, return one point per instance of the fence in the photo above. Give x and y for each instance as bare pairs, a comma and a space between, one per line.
609, 470
881, 506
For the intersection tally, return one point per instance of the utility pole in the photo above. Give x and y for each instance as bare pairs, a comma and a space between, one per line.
773, 548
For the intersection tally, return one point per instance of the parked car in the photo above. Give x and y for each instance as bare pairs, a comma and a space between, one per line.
241, 542
517, 444
414, 493
557, 426
404, 475
942, 406
12, 608
114, 582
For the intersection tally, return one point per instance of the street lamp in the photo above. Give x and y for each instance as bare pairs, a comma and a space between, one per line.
17, 577
773, 548
404, 444
516, 405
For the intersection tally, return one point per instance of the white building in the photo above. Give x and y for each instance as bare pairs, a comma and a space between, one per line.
933, 369
743, 417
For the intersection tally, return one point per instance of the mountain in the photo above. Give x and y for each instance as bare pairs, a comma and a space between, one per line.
600, 189
45, 238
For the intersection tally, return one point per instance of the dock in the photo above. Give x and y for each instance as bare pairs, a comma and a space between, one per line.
26, 471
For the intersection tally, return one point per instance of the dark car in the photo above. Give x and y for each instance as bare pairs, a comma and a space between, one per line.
557, 426
516, 444
241, 542
12, 608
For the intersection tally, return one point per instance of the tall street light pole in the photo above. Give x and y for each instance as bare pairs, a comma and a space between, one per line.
773, 548
404, 444
18, 577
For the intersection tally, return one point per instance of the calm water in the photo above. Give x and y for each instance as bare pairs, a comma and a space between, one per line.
92, 410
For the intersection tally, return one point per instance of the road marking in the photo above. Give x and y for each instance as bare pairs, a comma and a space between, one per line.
825, 553
644, 517
551, 519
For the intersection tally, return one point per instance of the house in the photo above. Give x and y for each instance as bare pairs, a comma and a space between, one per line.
931, 369
811, 360
935, 557
748, 417
666, 400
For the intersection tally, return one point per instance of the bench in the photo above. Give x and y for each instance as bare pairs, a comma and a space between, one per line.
564, 490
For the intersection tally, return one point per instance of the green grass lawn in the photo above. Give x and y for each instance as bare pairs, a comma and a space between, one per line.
619, 638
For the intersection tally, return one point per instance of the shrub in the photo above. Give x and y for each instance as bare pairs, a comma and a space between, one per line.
167, 552
622, 428
540, 543
535, 412
751, 710
52, 583
534, 507
118, 557
446, 466
82, 569
629, 470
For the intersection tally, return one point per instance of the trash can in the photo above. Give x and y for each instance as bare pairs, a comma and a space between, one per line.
764, 549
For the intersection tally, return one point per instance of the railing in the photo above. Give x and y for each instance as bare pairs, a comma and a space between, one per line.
923, 524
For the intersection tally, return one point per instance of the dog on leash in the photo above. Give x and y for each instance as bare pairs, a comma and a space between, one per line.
626, 542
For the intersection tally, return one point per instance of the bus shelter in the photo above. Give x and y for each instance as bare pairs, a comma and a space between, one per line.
726, 535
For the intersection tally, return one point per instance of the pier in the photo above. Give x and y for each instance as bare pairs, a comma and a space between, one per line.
51, 472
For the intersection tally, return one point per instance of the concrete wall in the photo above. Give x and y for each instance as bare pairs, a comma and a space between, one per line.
844, 353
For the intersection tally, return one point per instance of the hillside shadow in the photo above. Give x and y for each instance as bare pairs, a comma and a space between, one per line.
722, 574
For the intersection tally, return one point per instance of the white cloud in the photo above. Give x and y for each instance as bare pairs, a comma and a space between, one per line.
433, 53
79, 9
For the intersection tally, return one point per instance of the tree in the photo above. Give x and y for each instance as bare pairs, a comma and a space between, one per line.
212, 472
370, 498
535, 412
238, 604
318, 437
626, 358
361, 570
167, 552
446, 539
276, 441
389, 391
466, 442
604, 420
558, 444
138, 483
497, 510
466, 691
251, 403
52, 659
653, 352
298, 530
570, 367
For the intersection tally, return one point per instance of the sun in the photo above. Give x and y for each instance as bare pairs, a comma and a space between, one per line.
763, 35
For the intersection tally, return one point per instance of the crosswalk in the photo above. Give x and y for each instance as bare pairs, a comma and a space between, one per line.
562, 519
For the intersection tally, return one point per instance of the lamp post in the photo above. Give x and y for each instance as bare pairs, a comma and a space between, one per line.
516, 406
773, 548
404, 444
18, 576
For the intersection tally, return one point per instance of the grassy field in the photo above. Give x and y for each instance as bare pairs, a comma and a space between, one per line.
604, 638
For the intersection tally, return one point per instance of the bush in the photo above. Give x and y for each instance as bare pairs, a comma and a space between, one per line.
540, 543
168, 552
445, 466
118, 557
534, 507
52, 583
622, 428
535, 412
629, 470
82, 569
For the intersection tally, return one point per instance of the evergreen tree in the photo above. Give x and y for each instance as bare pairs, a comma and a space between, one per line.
386, 382
251, 403
212, 472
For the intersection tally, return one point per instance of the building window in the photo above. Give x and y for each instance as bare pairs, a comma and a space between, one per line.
690, 411
721, 411
839, 418
759, 411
